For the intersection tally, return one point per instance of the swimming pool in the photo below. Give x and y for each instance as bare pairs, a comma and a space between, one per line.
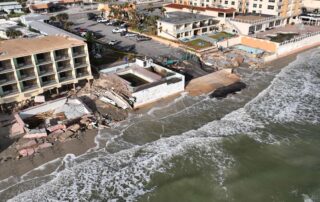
249, 49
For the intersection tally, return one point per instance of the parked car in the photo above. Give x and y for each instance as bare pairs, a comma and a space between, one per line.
112, 22
143, 38
123, 33
130, 34
118, 30
123, 25
128, 48
91, 16
102, 20
113, 42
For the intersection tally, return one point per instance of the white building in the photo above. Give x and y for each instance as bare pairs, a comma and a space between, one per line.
311, 4
181, 25
11, 6
6, 25
147, 81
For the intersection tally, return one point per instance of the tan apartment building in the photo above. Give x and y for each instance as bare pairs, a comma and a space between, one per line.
29, 67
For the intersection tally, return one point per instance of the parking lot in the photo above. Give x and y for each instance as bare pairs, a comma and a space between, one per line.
149, 48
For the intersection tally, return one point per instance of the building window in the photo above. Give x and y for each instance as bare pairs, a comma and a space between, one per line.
270, 7
232, 3
226, 2
271, 1
278, 22
254, 5
260, 6
207, 0
202, 4
258, 27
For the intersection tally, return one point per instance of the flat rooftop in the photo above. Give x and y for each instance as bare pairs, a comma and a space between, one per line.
183, 17
252, 18
299, 29
24, 47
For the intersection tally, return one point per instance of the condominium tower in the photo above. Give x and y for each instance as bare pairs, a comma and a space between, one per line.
281, 8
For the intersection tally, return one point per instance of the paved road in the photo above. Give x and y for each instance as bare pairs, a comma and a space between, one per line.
145, 48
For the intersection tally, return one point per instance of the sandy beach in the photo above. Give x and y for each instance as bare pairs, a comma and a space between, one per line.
76, 146
86, 140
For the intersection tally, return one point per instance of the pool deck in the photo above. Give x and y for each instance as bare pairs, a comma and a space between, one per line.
211, 82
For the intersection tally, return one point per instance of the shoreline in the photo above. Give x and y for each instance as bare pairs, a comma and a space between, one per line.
76, 146
86, 141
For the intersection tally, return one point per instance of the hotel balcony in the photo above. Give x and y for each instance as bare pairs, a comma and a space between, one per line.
48, 80
81, 72
24, 62
5, 66
65, 76
80, 62
44, 70
63, 66
78, 51
9, 90
26, 74
7, 78
61, 55
43, 58
29, 85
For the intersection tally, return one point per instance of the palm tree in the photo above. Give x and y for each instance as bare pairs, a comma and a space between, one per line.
52, 19
162, 11
12, 33
62, 17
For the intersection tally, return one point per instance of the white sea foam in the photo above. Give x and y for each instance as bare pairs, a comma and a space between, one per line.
124, 175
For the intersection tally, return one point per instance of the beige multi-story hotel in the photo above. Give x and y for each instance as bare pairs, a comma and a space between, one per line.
29, 67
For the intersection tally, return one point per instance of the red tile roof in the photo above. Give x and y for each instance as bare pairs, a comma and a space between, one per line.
180, 6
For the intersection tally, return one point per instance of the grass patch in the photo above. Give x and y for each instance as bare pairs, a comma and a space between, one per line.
221, 35
198, 44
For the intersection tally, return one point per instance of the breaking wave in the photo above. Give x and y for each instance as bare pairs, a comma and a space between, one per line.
293, 96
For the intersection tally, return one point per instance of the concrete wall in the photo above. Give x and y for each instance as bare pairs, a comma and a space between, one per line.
157, 92
230, 42
265, 45
283, 49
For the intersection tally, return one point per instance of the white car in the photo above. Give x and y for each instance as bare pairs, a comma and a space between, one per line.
130, 34
113, 42
102, 20
118, 30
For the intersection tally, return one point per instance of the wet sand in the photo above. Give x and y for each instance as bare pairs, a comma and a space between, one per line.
76, 146
211, 82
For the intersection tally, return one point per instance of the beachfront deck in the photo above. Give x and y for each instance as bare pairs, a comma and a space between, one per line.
210, 82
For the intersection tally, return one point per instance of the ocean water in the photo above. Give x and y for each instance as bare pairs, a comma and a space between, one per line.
262, 144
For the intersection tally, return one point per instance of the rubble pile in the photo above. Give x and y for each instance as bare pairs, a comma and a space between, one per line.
231, 59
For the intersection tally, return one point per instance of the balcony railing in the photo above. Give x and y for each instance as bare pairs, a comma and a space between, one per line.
62, 58
25, 77
24, 65
48, 83
82, 74
78, 54
5, 69
65, 78
46, 72
6, 81
44, 61
30, 87
80, 64
10, 92
64, 68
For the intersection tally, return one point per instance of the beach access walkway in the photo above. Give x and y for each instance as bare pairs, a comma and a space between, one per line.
210, 82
